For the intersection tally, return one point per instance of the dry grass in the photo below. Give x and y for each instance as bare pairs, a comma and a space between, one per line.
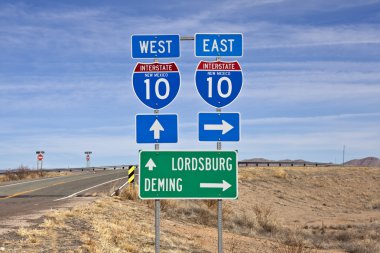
298, 248
24, 172
129, 193
262, 219
370, 246
107, 225
281, 173
373, 204
265, 218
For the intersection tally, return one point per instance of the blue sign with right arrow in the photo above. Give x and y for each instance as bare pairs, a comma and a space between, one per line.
156, 128
219, 126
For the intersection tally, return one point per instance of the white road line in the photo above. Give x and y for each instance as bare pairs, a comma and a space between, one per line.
74, 194
118, 189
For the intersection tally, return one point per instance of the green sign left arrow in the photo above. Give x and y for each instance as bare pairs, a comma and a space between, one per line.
188, 175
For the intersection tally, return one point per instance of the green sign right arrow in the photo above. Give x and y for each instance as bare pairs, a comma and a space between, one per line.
188, 175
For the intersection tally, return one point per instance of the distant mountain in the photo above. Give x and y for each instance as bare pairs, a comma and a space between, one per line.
366, 162
257, 160
262, 160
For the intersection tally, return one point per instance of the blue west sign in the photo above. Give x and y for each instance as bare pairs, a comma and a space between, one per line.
156, 84
219, 126
156, 128
214, 45
218, 82
155, 46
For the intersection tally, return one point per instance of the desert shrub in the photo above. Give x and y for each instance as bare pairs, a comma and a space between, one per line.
10, 176
243, 224
344, 236
165, 205
298, 248
22, 172
281, 173
211, 203
374, 204
362, 247
129, 193
265, 218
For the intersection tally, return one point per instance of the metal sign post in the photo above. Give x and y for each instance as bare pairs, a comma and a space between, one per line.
88, 158
220, 206
40, 158
157, 205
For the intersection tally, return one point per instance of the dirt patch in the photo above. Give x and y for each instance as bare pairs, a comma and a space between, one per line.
25, 221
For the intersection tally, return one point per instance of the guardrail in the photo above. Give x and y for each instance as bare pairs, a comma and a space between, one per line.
241, 164
114, 167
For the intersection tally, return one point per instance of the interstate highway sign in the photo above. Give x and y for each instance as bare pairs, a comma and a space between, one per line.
219, 126
188, 175
156, 84
218, 82
214, 45
155, 46
156, 128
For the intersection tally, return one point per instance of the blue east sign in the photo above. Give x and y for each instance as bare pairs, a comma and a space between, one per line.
219, 126
219, 83
214, 45
156, 128
155, 46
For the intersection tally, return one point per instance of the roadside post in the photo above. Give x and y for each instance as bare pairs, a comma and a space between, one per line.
40, 158
131, 175
156, 85
88, 158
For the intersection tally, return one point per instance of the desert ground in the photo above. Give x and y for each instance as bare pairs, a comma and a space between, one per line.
279, 209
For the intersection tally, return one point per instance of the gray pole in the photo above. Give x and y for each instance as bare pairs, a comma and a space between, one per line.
220, 206
344, 150
88, 153
157, 206
220, 210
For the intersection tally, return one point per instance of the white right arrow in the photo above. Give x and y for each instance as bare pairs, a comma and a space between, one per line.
223, 185
225, 127
150, 164
156, 128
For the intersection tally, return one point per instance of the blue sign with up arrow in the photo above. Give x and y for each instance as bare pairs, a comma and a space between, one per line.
156, 128
219, 126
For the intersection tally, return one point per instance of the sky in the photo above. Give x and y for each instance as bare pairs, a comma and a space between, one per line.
311, 78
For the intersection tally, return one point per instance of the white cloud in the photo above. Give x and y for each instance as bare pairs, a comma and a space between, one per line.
309, 119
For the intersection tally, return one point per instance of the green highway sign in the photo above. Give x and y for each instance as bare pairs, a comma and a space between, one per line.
188, 175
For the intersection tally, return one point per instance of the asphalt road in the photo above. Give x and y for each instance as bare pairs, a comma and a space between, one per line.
20, 198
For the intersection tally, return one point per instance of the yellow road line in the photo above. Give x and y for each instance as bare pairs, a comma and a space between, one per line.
33, 190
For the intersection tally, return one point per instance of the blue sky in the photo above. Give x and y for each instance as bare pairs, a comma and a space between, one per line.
311, 78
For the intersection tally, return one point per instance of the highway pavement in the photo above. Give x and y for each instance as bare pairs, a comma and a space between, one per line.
26, 197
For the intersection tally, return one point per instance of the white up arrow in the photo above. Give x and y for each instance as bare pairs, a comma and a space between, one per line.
225, 127
223, 185
150, 164
156, 128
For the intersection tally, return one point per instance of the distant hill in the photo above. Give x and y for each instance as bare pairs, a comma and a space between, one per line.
262, 160
367, 162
